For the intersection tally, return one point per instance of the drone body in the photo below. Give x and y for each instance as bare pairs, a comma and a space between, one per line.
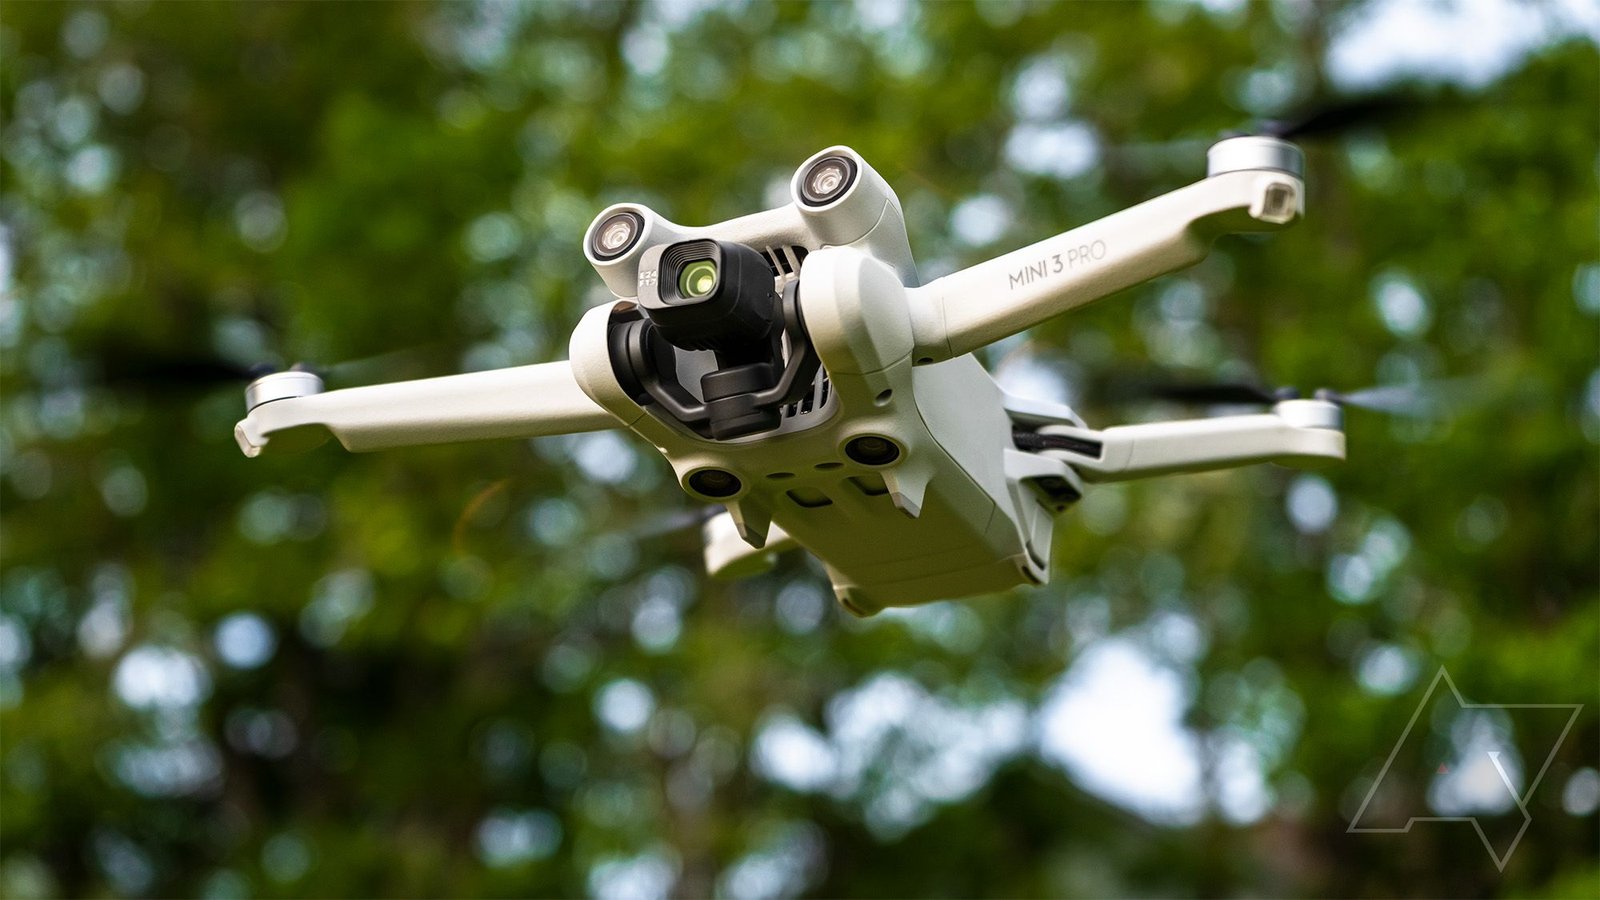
789, 366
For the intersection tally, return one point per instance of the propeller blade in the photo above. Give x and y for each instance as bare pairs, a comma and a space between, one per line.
167, 374
1331, 117
1423, 399
1343, 116
1214, 394
158, 373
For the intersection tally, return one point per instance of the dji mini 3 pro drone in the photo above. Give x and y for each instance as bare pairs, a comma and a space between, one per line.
792, 368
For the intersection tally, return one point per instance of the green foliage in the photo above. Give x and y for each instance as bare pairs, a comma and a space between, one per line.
478, 683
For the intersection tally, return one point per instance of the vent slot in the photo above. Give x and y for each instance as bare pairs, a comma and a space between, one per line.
785, 263
816, 399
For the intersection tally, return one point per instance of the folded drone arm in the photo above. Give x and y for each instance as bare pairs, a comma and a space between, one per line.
979, 305
523, 401
1295, 432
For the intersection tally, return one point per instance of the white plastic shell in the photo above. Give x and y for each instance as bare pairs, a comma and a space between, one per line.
525, 401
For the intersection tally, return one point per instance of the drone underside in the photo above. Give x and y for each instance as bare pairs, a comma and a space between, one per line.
790, 367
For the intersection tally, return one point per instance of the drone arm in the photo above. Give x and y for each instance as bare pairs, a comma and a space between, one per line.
979, 305
1296, 432
523, 401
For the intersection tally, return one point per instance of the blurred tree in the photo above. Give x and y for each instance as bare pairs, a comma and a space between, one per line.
456, 670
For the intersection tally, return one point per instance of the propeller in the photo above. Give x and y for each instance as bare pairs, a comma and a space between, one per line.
155, 372
1219, 394
163, 373
1330, 119
1325, 118
1424, 399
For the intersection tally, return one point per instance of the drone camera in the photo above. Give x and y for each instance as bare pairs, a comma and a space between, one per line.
719, 296
710, 295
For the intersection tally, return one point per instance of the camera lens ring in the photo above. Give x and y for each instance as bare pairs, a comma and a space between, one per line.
827, 179
616, 235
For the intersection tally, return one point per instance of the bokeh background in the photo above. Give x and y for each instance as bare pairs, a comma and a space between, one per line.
489, 669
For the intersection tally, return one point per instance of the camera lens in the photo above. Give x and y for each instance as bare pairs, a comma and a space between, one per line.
616, 235
697, 279
827, 180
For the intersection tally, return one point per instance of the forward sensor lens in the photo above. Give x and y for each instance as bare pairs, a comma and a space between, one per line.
827, 180
616, 235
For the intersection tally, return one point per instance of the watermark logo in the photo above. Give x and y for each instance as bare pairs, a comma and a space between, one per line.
1466, 762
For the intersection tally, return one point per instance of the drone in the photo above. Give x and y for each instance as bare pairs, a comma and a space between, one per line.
792, 368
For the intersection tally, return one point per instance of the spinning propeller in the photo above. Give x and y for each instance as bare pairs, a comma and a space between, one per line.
1325, 119
1426, 399
155, 372
1331, 119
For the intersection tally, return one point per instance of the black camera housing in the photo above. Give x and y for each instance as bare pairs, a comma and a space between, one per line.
736, 319
741, 319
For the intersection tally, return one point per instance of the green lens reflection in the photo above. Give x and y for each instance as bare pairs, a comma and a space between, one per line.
697, 279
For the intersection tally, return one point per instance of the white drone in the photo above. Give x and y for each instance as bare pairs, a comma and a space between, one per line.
789, 365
